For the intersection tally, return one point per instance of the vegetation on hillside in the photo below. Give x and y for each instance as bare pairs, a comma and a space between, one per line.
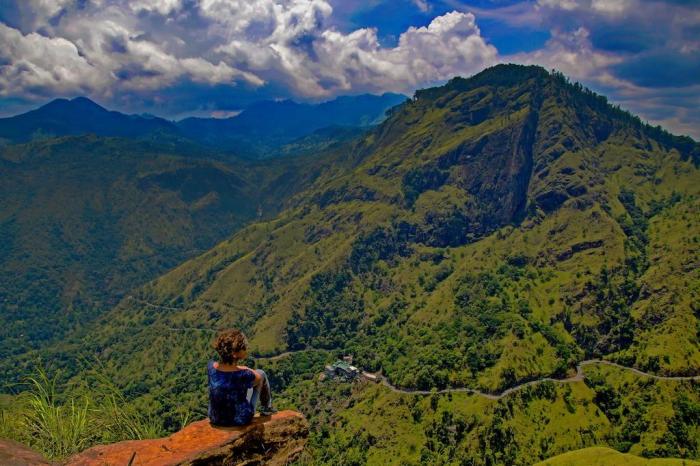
491, 231
84, 220
601, 456
365, 423
59, 421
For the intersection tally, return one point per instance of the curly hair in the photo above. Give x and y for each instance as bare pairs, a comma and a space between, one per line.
228, 342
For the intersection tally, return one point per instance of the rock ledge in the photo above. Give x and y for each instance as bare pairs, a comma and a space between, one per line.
270, 440
16, 454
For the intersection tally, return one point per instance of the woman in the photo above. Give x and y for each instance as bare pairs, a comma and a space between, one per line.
230, 403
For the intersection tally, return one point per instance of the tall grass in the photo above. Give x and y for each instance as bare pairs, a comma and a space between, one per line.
57, 429
9, 425
119, 421
60, 423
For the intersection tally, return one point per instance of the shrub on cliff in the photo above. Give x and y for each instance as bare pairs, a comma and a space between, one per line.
60, 421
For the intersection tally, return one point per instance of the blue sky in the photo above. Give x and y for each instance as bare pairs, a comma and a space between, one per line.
180, 57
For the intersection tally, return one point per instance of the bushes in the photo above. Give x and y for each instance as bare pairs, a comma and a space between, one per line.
63, 422
332, 315
681, 439
443, 438
381, 244
421, 179
611, 297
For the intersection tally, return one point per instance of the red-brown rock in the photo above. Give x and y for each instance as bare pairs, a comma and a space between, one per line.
16, 454
272, 440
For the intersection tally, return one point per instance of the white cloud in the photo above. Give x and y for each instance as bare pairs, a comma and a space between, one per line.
101, 51
286, 42
567, 5
573, 54
34, 66
611, 7
422, 5
163, 7
607, 7
316, 61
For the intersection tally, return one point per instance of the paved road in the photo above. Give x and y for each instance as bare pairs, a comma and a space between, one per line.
576, 378
491, 396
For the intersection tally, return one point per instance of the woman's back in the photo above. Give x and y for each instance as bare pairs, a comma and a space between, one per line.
228, 404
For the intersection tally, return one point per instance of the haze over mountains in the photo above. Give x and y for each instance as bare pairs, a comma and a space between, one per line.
492, 231
258, 131
81, 115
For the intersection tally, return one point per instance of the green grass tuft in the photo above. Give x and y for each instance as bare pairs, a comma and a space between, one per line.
60, 421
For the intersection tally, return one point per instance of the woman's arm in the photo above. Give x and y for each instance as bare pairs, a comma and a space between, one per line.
258, 377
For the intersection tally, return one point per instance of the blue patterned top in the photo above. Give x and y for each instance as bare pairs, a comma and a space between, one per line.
228, 404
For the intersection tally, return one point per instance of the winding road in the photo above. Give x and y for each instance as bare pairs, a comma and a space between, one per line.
576, 378
580, 375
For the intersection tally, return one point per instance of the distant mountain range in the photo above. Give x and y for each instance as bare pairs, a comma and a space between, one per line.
258, 132
62, 117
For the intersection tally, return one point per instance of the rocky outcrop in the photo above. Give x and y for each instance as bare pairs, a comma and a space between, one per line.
578, 247
16, 454
270, 440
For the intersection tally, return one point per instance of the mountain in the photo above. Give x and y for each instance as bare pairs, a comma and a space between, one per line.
81, 115
85, 219
493, 231
262, 128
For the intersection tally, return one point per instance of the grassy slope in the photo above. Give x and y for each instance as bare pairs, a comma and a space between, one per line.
601, 456
366, 423
258, 277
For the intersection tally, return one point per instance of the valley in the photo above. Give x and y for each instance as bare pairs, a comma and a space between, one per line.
516, 257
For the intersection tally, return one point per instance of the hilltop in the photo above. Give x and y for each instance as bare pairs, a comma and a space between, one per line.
78, 116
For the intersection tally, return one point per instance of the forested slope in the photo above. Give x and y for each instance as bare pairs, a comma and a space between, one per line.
494, 230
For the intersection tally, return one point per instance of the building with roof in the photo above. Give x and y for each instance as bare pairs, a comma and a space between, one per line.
342, 370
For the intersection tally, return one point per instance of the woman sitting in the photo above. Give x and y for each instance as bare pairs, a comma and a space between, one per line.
234, 390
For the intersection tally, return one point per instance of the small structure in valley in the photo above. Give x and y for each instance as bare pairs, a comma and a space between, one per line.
371, 377
342, 370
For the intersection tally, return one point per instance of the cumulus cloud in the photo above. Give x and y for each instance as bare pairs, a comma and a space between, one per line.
316, 61
163, 7
642, 24
98, 49
572, 53
34, 65
230, 51
143, 45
